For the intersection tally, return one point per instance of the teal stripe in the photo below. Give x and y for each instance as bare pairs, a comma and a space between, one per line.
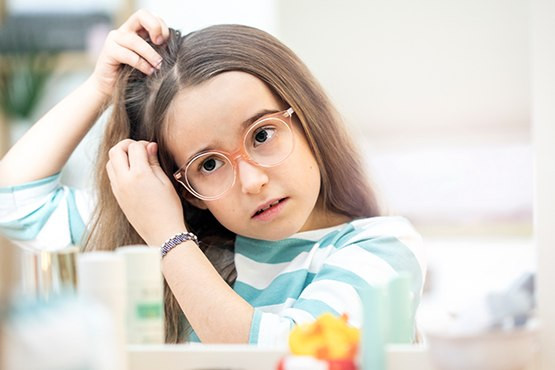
28, 227
76, 224
315, 307
193, 337
339, 239
344, 276
255, 326
271, 251
397, 255
31, 184
288, 285
280, 251
268, 251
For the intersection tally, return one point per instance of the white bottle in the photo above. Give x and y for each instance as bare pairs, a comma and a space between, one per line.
145, 294
101, 281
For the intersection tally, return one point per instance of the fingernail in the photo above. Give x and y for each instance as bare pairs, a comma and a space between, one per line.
159, 64
159, 40
150, 70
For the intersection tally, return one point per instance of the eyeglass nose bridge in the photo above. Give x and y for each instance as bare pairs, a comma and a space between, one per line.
241, 153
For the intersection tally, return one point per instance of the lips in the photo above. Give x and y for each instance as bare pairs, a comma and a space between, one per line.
267, 205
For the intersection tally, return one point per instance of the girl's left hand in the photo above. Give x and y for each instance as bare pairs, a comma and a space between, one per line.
144, 192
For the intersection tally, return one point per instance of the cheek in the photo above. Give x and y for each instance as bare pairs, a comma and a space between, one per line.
223, 209
309, 165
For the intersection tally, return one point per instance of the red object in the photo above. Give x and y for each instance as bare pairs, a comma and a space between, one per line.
346, 364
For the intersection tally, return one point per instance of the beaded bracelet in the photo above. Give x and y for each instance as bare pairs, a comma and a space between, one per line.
175, 240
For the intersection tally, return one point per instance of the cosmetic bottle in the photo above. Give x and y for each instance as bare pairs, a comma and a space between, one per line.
101, 281
374, 328
400, 307
145, 294
388, 318
45, 325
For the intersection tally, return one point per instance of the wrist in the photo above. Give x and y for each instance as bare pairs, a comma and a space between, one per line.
94, 89
162, 235
176, 241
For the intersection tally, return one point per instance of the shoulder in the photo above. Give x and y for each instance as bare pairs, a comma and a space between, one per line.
390, 237
382, 227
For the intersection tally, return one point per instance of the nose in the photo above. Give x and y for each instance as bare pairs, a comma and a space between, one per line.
251, 177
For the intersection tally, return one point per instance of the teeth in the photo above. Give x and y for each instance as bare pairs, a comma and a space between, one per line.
271, 205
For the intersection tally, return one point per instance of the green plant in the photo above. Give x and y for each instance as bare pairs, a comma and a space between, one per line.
23, 77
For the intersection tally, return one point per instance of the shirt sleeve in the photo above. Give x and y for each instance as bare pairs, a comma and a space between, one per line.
43, 214
371, 255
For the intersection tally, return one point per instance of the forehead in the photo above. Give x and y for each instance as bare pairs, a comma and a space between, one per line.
214, 110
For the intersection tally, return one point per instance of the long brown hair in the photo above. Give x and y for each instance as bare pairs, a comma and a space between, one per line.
141, 104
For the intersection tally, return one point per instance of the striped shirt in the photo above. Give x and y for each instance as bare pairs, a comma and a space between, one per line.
288, 282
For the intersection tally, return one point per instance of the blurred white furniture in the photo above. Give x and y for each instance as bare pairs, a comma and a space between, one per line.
543, 123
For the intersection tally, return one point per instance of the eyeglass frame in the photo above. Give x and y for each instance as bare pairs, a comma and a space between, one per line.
241, 152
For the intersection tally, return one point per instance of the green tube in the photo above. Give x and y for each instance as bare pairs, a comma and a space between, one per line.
401, 325
374, 328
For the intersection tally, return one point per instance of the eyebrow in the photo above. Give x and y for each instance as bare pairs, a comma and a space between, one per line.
244, 125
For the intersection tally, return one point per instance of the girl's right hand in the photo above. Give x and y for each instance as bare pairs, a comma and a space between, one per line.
127, 45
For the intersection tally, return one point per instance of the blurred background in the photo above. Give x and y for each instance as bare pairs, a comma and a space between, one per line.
436, 93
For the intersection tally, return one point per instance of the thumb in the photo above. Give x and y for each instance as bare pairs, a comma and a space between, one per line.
152, 151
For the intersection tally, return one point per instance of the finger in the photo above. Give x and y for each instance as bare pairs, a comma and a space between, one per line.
143, 19
126, 56
143, 33
110, 171
139, 46
111, 176
165, 28
118, 156
152, 151
138, 158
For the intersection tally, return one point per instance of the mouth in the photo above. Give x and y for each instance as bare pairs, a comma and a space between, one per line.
264, 209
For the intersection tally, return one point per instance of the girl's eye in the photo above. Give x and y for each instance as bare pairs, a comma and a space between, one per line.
210, 165
263, 135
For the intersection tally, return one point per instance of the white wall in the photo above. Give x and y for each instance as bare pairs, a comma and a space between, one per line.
403, 66
191, 15
437, 93
543, 114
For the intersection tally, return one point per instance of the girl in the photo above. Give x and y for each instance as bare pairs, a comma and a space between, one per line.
223, 151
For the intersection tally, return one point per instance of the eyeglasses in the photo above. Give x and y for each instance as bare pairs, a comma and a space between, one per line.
267, 143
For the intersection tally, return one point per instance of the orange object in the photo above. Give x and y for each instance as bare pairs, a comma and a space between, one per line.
328, 338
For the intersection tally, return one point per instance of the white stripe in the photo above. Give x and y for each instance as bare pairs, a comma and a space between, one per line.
273, 330
260, 275
277, 308
299, 316
367, 266
397, 227
17, 206
341, 297
85, 203
55, 233
19, 202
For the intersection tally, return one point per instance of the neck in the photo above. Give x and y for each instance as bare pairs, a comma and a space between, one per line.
321, 218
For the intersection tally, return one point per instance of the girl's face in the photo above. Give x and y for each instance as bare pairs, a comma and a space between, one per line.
211, 115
